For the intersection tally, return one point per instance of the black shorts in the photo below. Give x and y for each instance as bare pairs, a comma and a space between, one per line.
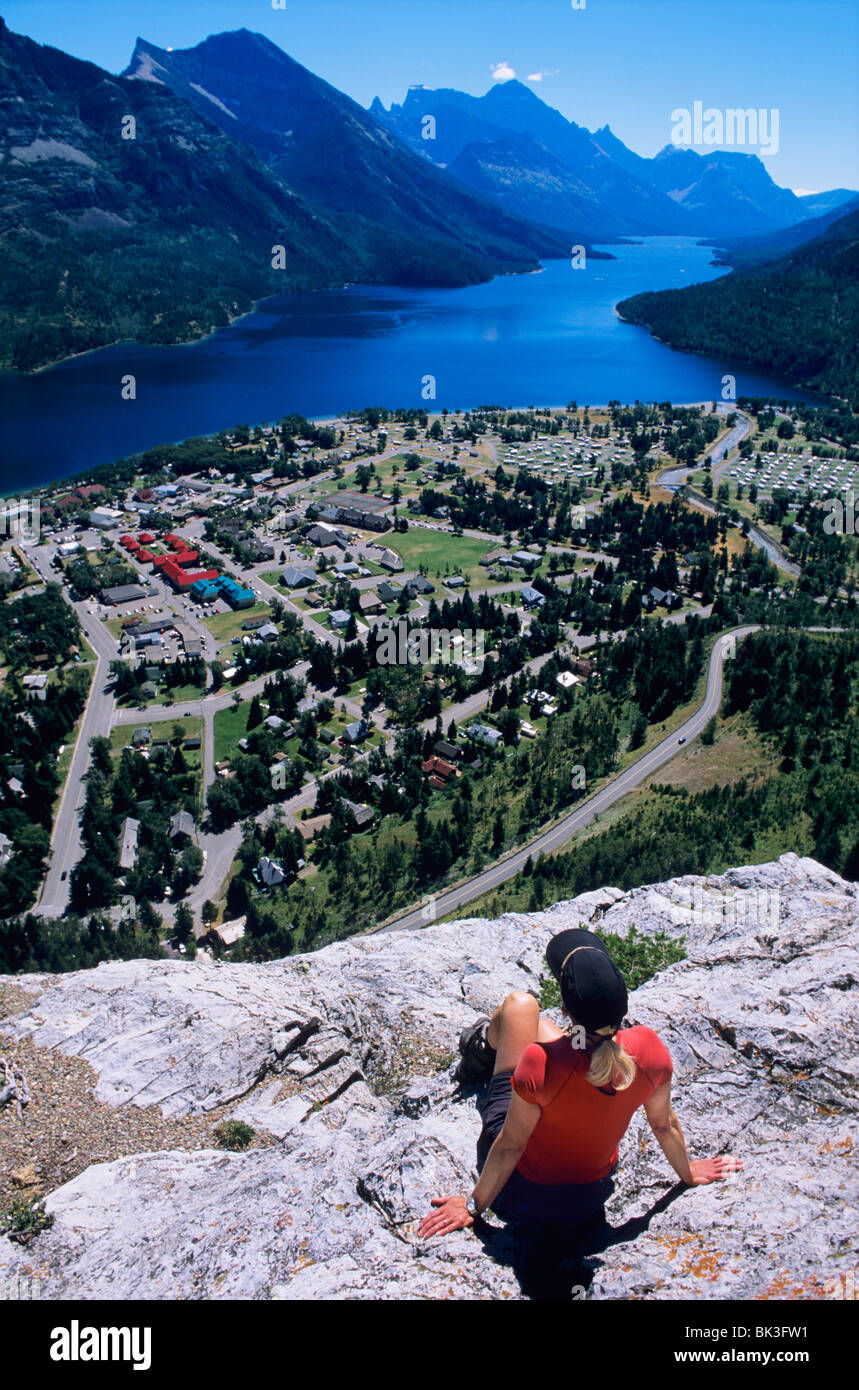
572, 1204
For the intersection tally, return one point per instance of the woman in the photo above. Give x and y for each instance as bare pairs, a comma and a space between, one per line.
558, 1102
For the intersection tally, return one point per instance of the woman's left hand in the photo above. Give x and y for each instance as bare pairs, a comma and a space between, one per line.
450, 1215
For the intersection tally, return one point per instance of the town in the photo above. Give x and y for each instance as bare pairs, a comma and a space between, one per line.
241, 658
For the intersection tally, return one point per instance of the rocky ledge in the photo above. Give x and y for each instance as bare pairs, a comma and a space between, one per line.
343, 1059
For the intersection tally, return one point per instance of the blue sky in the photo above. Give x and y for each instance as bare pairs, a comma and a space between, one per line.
626, 63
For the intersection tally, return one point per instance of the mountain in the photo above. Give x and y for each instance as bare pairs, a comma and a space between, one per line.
816, 204
406, 222
615, 191
797, 315
528, 180
510, 109
158, 237
744, 252
340, 1062
725, 193
166, 235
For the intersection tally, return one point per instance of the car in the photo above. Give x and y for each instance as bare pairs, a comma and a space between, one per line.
64, 875
681, 740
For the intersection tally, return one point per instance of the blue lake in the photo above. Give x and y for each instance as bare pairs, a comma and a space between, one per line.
540, 339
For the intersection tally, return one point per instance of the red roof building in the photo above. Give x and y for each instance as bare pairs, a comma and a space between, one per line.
437, 768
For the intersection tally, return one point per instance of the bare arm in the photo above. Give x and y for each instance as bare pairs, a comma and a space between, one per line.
508, 1148
666, 1128
450, 1213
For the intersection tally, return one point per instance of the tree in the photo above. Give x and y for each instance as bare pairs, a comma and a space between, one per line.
184, 925
254, 713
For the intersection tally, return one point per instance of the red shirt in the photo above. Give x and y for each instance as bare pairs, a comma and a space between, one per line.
577, 1135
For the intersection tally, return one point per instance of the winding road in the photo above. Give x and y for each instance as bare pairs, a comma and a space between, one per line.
563, 831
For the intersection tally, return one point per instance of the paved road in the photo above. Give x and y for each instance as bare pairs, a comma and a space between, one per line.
561, 833
96, 721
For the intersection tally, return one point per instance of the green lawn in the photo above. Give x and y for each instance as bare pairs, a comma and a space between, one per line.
225, 626
178, 695
230, 725
442, 553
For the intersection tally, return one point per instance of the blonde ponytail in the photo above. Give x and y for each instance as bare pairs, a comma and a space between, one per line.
608, 1059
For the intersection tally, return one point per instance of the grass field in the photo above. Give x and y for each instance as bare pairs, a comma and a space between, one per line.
230, 725
442, 553
225, 626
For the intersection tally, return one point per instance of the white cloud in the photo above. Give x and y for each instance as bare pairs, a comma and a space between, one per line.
535, 77
502, 72
547, 72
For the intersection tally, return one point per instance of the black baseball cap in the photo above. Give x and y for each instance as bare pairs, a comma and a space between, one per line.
592, 987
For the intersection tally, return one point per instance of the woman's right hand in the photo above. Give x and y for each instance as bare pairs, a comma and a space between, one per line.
706, 1170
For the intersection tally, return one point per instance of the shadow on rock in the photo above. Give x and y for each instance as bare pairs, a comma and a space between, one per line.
556, 1263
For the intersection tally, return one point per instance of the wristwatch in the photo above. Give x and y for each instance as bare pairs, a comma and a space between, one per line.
472, 1208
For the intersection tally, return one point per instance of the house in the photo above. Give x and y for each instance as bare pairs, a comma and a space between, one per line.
481, 733
141, 737
525, 560
228, 933
339, 618
105, 517
308, 829
269, 874
438, 771
128, 848
344, 571
274, 723
661, 598
456, 581
268, 633
566, 680
391, 561
295, 578
370, 603
326, 535
532, 598
361, 815
123, 593
357, 732
182, 826
5, 849
448, 751
418, 585
389, 593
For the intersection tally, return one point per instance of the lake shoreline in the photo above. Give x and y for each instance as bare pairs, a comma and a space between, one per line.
549, 335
